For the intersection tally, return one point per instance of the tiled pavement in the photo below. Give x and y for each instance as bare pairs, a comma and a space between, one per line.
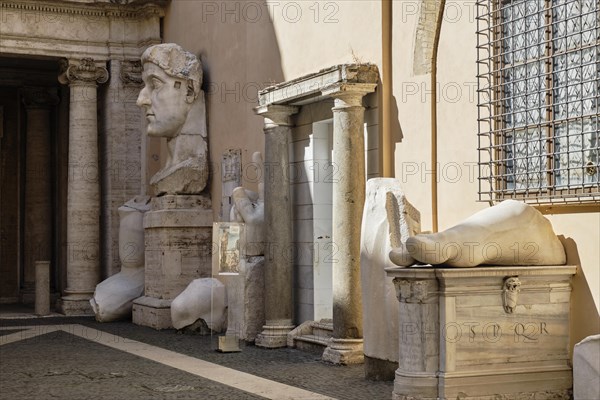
78, 358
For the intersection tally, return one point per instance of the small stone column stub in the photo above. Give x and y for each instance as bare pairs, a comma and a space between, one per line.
278, 223
83, 193
346, 346
38, 102
42, 287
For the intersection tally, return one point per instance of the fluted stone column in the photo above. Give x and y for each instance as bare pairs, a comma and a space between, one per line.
346, 346
278, 223
83, 198
38, 184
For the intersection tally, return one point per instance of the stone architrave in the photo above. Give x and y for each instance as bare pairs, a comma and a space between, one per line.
83, 192
38, 103
278, 228
346, 346
384, 196
457, 340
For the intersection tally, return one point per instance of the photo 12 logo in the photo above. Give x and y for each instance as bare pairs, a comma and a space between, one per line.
326, 12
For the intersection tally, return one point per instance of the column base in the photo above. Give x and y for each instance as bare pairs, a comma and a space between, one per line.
274, 336
344, 351
74, 306
152, 312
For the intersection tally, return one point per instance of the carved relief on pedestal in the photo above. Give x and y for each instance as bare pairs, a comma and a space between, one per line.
414, 291
510, 293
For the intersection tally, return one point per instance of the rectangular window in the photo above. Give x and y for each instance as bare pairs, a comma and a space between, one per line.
538, 71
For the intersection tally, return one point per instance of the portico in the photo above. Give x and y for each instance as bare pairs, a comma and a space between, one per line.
78, 144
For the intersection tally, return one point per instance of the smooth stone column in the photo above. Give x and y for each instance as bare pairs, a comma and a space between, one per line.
38, 190
83, 192
346, 346
42, 287
278, 232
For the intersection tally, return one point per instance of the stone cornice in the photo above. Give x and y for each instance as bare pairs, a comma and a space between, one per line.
99, 9
310, 87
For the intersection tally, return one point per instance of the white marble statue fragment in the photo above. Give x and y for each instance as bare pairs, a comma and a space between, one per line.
586, 369
380, 306
113, 298
175, 109
204, 299
510, 233
249, 208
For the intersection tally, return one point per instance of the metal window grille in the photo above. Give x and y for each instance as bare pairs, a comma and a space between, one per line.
538, 69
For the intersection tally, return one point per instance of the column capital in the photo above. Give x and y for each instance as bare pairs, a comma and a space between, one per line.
131, 72
276, 115
39, 97
84, 71
349, 93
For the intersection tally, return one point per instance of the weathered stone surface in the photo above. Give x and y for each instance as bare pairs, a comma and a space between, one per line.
203, 299
42, 287
278, 228
113, 298
586, 369
178, 249
249, 207
83, 199
510, 233
175, 109
245, 300
457, 340
384, 197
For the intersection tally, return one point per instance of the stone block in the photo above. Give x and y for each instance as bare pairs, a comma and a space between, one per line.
245, 296
586, 369
466, 333
178, 249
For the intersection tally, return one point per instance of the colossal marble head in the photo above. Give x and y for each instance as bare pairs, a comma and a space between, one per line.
172, 78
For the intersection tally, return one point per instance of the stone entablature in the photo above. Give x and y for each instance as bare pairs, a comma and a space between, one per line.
101, 30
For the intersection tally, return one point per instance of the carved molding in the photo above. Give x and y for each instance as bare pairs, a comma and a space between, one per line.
131, 72
113, 9
39, 97
84, 72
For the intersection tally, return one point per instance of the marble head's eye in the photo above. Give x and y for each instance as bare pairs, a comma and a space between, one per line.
156, 83
177, 84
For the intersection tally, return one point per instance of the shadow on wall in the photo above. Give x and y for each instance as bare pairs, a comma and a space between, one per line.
237, 45
582, 301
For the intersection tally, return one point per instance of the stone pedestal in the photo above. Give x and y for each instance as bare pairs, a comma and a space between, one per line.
245, 300
178, 232
483, 333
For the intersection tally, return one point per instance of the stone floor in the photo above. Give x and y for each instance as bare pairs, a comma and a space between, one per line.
78, 358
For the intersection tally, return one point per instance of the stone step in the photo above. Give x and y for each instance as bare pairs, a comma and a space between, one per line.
311, 335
